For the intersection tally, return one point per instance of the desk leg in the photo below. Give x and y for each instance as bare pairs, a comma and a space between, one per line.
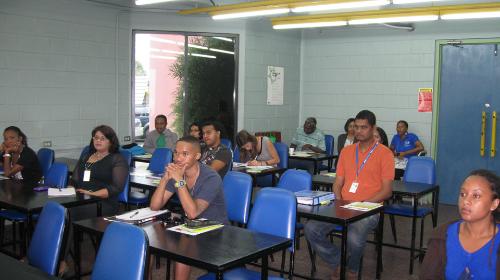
76, 247
380, 239
263, 273
435, 201
316, 167
343, 254
413, 233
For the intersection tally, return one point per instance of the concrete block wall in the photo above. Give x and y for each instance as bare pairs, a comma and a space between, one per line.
378, 68
57, 70
266, 47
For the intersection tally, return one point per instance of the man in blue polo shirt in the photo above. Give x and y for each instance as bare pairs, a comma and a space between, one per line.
404, 145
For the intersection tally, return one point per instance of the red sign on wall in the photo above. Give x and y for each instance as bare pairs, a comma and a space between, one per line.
425, 99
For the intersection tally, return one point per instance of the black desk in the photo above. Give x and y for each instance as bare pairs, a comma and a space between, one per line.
12, 268
316, 158
413, 190
215, 251
271, 171
334, 213
17, 196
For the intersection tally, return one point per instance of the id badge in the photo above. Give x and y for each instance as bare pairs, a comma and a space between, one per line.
354, 187
86, 175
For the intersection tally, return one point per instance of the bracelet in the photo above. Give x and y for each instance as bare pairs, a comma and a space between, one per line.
6, 155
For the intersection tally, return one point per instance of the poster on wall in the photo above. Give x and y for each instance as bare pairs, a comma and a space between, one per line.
275, 77
425, 99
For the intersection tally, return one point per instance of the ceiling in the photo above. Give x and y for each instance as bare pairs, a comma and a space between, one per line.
167, 6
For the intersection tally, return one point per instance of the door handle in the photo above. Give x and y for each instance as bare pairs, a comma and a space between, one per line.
483, 133
493, 149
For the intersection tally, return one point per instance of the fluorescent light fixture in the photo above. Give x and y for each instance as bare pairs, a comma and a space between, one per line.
197, 47
202, 55
394, 19
164, 57
341, 5
309, 24
398, 2
472, 15
224, 39
221, 51
147, 2
251, 13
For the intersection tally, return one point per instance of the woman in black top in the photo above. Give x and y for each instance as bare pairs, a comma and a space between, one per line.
103, 171
18, 160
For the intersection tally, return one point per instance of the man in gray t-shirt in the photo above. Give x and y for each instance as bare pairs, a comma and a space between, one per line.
198, 187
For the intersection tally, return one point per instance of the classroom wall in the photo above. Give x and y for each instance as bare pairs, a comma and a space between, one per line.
378, 68
58, 70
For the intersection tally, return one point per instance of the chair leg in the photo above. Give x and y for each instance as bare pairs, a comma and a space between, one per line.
421, 255
292, 265
393, 228
167, 274
157, 258
283, 255
297, 239
22, 232
434, 219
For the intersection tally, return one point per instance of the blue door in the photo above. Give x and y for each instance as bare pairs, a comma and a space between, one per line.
469, 89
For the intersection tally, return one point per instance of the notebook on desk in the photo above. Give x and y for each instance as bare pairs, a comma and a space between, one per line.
314, 197
138, 216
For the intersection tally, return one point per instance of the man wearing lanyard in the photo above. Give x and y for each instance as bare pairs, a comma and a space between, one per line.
364, 173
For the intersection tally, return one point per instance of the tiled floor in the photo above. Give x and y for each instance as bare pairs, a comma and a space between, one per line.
396, 261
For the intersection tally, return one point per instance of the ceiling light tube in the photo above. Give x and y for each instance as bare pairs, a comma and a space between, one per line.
221, 51
224, 39
400, 2
341, 5
254, 13
471, 15
309, 24
147, 2
393, 19
203, 55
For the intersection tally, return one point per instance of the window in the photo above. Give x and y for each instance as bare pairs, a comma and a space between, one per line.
187, 77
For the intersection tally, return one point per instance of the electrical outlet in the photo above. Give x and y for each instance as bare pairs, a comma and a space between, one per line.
47, 144
126, 138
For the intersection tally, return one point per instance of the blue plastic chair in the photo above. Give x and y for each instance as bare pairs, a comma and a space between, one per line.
160, 158
236, 154
85, 151
329, 143
227, 143
274, 212
238, 195
123, 196
47, 241
418, 170
45, 159
282, 150
123, 253
57, 175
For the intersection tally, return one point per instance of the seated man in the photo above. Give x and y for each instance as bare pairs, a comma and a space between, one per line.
308, 138
214, 154
161, 137
198, 187
364, 173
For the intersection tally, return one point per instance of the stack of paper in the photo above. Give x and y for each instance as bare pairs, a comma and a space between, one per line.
194, 231
69, 191
313, 197
239, 164
363, 206
301, 154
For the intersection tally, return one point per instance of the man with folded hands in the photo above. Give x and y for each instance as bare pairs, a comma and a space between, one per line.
198, 187
365, 171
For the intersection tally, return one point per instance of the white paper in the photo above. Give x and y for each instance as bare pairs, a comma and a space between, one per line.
239, 164
140, 214
183, 229
275, 78
62, 192
400, 163
301, 154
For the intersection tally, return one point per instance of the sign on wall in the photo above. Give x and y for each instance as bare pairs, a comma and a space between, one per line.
275, 77
425, 99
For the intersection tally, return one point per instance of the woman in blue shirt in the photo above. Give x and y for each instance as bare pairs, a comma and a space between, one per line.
468, 248
404, 145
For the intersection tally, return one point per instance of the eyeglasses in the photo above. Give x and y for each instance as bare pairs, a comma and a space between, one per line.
102, 139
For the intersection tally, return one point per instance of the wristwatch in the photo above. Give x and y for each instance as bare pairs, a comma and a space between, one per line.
180, 184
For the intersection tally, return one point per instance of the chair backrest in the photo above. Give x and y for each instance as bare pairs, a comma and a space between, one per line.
226, 142
48, 238
329, 143
57, 175
282, 150
295, 180
161, 157
274, 212
238, 195
123, 196
123, 253
85, 151
420, 170
45, 159
236, 154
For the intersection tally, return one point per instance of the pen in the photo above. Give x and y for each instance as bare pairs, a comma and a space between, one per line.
135, 214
